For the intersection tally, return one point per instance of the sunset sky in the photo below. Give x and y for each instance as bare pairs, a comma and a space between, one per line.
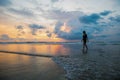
59, 20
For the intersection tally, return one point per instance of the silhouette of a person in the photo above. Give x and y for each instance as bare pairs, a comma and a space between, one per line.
84, 40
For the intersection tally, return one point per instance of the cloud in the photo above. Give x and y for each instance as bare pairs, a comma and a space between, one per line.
76, 30
70, 36
5, 2
49, 34
56, 14
90, 19
4, 37
116, 18
60, 15
22, 12
66, 33
105, 13
20, 27
57, 27
69, 30
54, 1
89, 23
70, 24
34, 28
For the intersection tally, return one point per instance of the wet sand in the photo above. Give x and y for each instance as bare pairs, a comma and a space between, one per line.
100, 62
25, 67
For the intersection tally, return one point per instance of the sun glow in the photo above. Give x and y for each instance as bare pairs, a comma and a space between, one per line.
65, 28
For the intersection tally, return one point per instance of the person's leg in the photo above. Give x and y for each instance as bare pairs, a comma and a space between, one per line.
83, 45
86, 45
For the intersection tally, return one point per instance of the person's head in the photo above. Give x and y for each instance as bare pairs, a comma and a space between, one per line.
84, 32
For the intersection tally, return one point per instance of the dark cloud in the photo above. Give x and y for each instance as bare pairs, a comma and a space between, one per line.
34, 28
49, 34
4, 37
20, 27
93, 18
20, 30
76, 32
105, 13
23, 12
73, 34
70, 36
89, 23
116, 18
5, 2
57, 27
90, 19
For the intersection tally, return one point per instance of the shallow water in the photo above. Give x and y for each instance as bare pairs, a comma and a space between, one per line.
56, 49
52, 49
99, 62
45, 49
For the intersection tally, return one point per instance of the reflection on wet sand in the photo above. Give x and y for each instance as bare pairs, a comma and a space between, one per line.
84, 51
36, 48
20, 67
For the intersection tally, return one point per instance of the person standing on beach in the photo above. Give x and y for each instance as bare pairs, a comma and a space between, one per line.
84, 40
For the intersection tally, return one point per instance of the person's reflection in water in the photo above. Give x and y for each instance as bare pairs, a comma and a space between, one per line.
84, 51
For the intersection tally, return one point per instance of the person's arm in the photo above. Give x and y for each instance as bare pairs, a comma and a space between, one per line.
87, 39
82, 39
